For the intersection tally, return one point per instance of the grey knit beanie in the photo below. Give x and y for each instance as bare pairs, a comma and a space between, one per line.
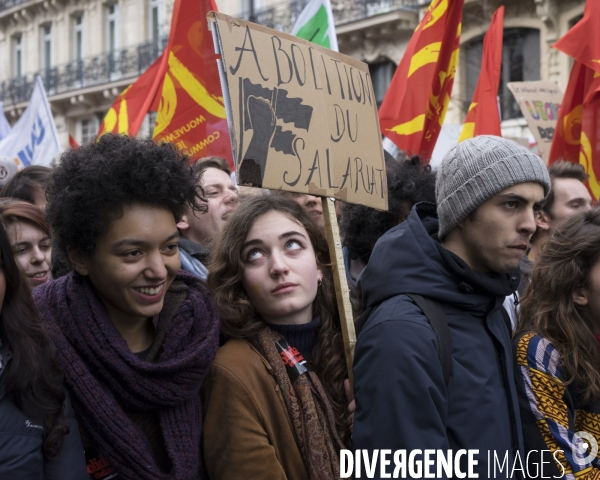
476, 170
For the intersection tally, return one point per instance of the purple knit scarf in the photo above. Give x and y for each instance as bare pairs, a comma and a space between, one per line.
106, 379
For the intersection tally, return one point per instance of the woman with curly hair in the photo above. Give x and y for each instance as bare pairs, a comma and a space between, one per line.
29, 235
39, 438
270, 279
557, 350
135, 336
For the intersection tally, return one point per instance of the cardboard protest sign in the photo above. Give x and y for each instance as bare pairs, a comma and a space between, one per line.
301, 118
539, 103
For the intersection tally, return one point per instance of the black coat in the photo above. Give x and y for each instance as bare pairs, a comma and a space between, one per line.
402, 401
21, 454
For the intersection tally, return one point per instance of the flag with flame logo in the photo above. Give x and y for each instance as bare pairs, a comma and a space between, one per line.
191, 111
413, 110
567, 134
127, 112
483, 117
589, 155
576, 137
183, 87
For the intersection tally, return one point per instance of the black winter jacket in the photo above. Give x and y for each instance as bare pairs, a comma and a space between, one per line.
402, 401
21, 455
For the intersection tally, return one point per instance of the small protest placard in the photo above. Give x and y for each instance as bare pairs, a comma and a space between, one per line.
302, 118
540, 103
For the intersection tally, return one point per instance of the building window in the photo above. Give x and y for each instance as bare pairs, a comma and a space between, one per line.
112, 36
147, 129
381, 76
112, 18
78, 52
473, 52
46, 36
88, 128
156, 24
78, 49
246, 8
18, 55
573, 21
520, 63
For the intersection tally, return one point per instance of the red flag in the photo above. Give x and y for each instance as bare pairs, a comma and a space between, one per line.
129, 109
191, 113
582, 41
579, 119
567, 134
73, 143
415, 105
589, 155
483, 117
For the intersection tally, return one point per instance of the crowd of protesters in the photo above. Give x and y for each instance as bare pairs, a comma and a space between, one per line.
158, 323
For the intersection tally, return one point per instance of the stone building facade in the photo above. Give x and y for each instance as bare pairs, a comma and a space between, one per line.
88, 51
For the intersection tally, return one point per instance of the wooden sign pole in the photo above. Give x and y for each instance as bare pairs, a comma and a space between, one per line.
342, 292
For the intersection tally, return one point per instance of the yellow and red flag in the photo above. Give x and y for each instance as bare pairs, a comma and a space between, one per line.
483, 117
413, 110
579, 119
191, 111
567, 134
589, 155
127, 112
183, 87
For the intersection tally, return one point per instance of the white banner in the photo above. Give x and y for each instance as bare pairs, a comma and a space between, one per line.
4, 125
33, 140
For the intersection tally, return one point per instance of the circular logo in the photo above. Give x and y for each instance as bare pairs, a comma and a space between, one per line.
585, 448
5, 170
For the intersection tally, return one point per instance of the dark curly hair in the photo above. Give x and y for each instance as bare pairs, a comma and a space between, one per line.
93, 184
409, 182
239, 318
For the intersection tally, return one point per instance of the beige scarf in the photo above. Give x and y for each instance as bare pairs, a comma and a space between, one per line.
311, 413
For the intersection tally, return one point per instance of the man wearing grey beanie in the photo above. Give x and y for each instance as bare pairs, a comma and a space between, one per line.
444, 380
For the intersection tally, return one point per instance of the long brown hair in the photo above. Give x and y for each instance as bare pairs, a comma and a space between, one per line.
32, 376
548, 308
13, 210
239, 319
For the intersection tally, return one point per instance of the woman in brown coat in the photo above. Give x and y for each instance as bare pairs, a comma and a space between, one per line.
274, 400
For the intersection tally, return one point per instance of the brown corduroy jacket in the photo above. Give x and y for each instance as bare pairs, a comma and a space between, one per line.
247, 432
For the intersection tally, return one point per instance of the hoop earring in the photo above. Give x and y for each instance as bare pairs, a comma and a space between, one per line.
319, 283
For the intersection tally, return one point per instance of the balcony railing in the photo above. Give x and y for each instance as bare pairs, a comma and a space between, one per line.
282, 16
100, 69
132, 61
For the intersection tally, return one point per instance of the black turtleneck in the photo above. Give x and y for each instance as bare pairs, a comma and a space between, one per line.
303, 337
